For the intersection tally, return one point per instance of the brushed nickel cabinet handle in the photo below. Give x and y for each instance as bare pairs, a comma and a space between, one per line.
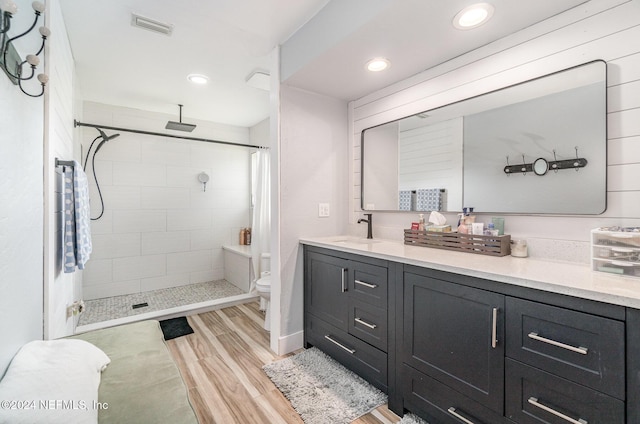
534, 401
581, 350
453, 412
494, 329
344, 280
362, 283
365, 323
351, 351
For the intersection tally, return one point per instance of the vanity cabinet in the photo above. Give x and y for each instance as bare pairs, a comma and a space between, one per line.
459, 349
346, 311
487, 353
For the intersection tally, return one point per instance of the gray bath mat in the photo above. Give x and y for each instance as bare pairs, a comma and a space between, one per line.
321, 390
410, 418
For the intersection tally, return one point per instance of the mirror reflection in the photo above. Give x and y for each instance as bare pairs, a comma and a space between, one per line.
459, 154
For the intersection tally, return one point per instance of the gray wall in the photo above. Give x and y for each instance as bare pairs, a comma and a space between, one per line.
21, 214
313, 169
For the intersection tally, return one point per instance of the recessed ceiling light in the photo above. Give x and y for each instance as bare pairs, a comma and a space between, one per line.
378, 64
473, 16
198, 78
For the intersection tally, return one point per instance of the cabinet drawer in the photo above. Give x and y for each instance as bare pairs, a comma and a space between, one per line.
580, 347
368, 323
368, 283
439, 403
361, 358
534, 396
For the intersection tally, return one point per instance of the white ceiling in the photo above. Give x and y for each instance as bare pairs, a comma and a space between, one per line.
414, 35
228, 39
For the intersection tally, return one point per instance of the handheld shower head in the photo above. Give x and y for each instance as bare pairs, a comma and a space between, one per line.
105, 138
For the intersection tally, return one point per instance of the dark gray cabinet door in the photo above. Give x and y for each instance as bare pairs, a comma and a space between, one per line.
326, 289
455, 334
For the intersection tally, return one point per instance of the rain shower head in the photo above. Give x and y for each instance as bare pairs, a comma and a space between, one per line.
180, 126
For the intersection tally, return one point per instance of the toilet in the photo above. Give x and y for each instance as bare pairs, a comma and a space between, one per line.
263, 287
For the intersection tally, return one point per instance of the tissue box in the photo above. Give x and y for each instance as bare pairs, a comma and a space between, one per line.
616, 250
439, 228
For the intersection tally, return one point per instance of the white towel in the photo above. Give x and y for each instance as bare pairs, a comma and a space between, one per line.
77, 220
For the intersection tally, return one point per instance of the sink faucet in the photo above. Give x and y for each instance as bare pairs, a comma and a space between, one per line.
368, 221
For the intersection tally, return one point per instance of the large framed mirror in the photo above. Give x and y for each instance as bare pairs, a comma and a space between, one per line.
535, 147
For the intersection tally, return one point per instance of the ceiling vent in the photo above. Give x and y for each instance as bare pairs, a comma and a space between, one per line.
151, 25
259, 79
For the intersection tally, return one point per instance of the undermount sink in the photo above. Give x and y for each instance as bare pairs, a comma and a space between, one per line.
356, 240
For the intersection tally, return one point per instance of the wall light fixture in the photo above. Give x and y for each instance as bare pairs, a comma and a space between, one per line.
10, 60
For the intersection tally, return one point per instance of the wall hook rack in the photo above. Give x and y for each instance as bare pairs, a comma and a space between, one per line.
541, 166
10, 61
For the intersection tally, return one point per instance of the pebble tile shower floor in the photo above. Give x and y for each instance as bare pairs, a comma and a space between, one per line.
108, 308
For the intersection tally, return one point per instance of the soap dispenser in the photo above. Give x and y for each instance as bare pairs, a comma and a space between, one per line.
421, 222
462, 226
462, 222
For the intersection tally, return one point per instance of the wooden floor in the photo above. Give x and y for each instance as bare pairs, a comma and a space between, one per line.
221, 364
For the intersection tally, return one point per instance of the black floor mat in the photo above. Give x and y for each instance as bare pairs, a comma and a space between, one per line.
175, 327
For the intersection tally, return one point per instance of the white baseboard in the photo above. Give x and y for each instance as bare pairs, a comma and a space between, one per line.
290, 342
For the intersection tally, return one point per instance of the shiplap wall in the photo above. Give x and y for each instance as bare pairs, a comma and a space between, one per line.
60, 289
439, 147
604, 29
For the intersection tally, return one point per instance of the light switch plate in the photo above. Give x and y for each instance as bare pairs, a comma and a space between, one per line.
323, 210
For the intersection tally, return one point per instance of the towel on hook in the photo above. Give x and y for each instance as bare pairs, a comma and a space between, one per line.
404, 200
429, 199
77, 221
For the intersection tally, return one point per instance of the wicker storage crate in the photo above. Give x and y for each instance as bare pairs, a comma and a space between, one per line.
483, 245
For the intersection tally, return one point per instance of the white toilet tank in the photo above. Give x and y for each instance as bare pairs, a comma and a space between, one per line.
265, 263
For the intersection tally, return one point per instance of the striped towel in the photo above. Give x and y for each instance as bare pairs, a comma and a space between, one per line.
77, 221
429, 199
404, 200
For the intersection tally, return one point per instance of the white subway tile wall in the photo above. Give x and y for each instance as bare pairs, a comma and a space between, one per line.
160, 229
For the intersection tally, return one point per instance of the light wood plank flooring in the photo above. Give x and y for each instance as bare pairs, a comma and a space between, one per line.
221, 364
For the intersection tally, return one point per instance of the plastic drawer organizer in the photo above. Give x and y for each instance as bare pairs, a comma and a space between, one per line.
616, 250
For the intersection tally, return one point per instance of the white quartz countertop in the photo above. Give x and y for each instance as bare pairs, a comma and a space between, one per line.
558, 277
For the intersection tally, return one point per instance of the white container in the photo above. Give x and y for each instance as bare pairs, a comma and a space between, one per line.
616, 251
519, 248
